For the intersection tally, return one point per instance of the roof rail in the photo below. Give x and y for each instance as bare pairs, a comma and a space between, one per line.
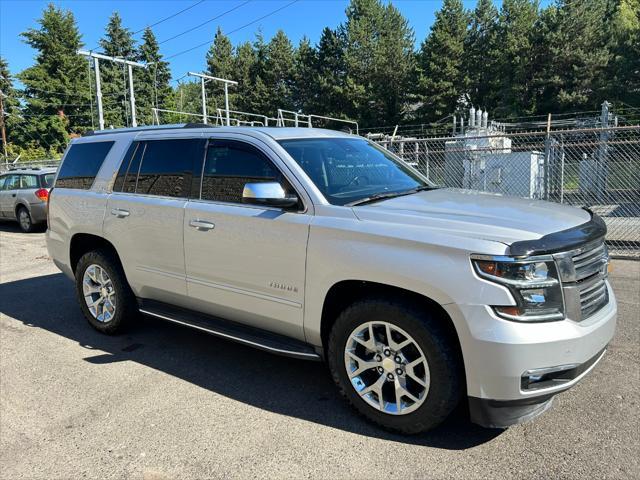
174, 126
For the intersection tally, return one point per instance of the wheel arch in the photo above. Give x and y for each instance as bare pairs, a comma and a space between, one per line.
345, 292
82, 243
20, 204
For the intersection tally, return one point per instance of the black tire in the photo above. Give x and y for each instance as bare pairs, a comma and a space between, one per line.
445, 365
126, 306
24, 220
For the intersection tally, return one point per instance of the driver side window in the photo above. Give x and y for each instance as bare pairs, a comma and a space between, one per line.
229, 166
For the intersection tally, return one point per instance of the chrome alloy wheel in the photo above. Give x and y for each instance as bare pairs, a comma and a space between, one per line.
99, 294
387, 368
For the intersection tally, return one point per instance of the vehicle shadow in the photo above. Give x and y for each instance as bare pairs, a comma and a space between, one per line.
282, 385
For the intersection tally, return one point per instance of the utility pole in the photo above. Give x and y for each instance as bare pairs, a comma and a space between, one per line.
203, 79
4, 132
96, 64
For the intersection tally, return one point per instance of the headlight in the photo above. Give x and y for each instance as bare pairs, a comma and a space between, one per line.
534, 284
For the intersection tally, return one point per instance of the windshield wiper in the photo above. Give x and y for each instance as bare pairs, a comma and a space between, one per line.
385, 195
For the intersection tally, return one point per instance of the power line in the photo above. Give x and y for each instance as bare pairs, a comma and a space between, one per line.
204, 23
168, 18
233, 31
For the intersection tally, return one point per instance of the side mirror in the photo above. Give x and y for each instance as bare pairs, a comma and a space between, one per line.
269, 194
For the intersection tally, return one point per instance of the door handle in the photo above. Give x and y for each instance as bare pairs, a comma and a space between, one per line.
120, 212
13, 194
201, 225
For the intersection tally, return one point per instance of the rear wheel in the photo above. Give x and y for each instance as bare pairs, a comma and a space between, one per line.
396, 364
24, 220
103, 292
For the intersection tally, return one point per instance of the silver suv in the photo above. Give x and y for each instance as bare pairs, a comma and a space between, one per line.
23, 196
322, 246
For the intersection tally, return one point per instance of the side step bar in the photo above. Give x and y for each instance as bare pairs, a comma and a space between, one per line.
253, 337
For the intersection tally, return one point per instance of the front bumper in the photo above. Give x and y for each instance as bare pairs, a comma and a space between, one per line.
498, 353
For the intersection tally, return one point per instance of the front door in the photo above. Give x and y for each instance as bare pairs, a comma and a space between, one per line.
8, 190
245, 262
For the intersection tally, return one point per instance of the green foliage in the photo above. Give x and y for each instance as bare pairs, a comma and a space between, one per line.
56, 97
442, 77
516, 61
117, 42
152, 83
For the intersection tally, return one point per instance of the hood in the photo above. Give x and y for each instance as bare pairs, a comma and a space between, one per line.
475, 214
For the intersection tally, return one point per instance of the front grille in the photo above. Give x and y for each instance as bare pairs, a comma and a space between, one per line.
589, 261
593, 296
584, 272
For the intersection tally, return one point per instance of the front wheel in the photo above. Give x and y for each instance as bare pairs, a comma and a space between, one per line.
396, 364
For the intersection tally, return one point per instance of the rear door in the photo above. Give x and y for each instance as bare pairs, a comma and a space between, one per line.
245, 262
145, 213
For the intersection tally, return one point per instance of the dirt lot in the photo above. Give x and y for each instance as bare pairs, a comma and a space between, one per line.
166, 402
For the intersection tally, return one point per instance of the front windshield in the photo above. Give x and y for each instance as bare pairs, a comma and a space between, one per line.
348, 170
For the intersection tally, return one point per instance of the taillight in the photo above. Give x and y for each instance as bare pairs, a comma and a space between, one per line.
42, 194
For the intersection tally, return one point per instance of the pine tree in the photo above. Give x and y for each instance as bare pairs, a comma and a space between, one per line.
244, 68
220, 63
481, 38
513, 59
56, 96
577, 55
378, 55
278, 74
305, 83
152, 83
117, 42
442, 79
11, 107
331, 74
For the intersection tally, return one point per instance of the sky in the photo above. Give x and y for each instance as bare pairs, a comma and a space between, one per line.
304, 17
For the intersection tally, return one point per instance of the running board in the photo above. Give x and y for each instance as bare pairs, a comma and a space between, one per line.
246, 335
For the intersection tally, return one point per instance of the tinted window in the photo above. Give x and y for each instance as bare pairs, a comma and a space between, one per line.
167, 167
47, 180
346, 170
129, 170
28, 181
81, 164
229, 166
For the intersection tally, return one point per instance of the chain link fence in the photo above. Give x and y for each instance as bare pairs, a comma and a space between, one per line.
598, 168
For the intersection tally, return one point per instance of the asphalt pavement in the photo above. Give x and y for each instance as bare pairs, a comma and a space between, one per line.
166, 402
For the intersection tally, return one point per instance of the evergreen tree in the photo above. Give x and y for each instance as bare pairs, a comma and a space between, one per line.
623, 71
513, 59
220, 63
10, 105
481, 38
378, 60
244, 68
305, 82
117, 42
331, 76
277, 74
56, 87
577, 55
152, 83
442, 78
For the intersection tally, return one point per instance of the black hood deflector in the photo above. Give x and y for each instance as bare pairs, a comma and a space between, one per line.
563, 240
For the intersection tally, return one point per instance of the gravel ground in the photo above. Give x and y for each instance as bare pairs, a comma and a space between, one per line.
164, 402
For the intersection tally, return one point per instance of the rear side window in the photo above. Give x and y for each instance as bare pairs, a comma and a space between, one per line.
229, 166
28, 181
166, 168
81, 165
47, 180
